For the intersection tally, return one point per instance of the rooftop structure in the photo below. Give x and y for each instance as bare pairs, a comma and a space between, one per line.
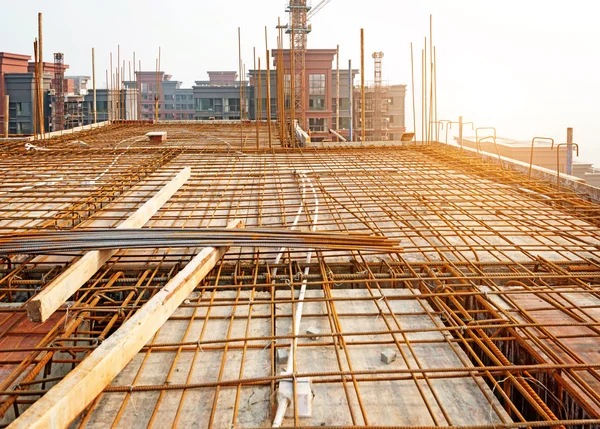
482, 313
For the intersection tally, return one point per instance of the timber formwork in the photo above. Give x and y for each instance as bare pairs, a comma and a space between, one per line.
492, 305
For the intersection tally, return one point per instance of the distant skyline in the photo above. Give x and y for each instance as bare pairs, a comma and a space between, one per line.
528, 68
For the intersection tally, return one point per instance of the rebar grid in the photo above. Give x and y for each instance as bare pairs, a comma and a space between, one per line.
492, 306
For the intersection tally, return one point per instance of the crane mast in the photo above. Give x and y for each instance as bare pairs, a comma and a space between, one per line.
298, 30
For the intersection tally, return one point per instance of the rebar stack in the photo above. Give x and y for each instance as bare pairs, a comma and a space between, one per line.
491, 306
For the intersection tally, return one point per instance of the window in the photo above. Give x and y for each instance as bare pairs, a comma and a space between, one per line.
178, 107
344, 104
169, 116
316, 84
23, 128
287, 84
169, 97
145, 106
190, 107
23, 109
344, 123
317, 124
203, 104
178, 97
148, 87
232, 105
316, 102
169, 107
190, 116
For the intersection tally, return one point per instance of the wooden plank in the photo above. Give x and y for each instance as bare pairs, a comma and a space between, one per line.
63, 403
41, 307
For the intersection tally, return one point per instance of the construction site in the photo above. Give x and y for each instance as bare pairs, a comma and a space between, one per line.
249, 274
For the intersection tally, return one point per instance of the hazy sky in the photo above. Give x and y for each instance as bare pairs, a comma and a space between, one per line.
528, 67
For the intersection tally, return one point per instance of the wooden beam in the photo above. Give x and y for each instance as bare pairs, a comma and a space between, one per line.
65, 401
41, 307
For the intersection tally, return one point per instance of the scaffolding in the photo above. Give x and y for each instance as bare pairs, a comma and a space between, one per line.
377, 97
491, 307
75, 111
298, 29
377, 110
58, 109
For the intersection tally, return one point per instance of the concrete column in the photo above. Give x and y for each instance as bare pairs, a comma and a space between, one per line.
6, 99
460, 131
569, 151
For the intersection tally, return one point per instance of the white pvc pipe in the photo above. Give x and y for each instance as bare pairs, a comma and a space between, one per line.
284, 402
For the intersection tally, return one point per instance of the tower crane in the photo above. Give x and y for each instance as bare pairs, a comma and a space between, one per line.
298, 28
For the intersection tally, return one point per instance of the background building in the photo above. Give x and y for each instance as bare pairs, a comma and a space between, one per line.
219, 97
174, 102
384, 112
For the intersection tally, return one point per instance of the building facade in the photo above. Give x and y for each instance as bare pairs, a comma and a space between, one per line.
390, 102
9, 63
319, 89
219, 97
107, 104
174, 102
21, 89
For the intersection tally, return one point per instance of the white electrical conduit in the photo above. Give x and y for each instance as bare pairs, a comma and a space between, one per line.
295, 223
282, 401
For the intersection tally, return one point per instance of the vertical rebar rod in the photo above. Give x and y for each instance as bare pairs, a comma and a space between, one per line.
423, 138
431, 117
259, 115
110, 93
137, 97
268, 82
425, 104
139, 83
293, 87
6, 101
351, 103
337, 92
460, 131
255, 92
437, 136
94, 86
118, 83
569, 151
127, 93
158, 89
107, 97
412, 70
362, 84
122, 92
36, 98
240, 83
244, 109
281, 82
42, 126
